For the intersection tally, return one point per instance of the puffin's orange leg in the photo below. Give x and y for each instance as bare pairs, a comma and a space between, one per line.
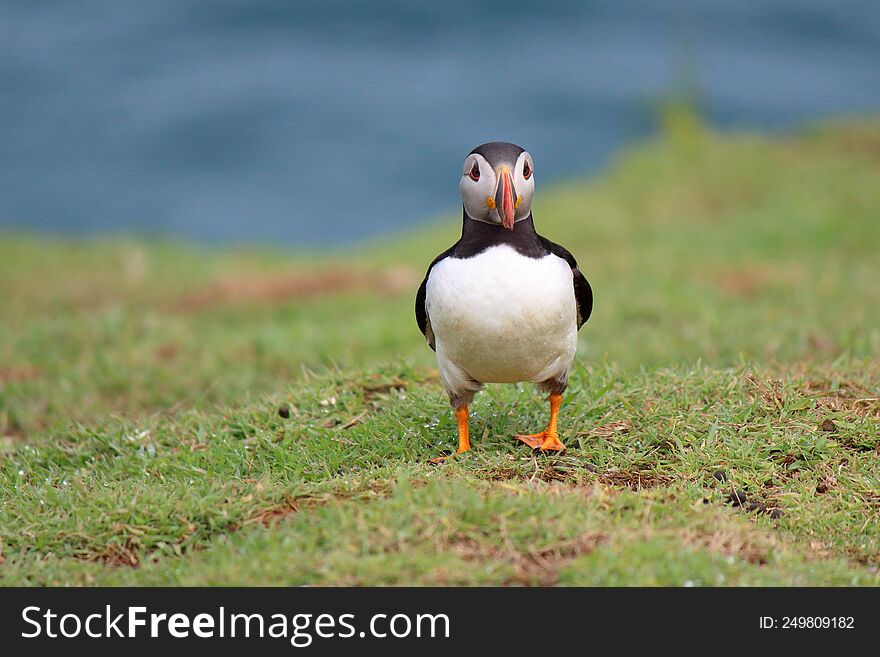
464, 441
547, 440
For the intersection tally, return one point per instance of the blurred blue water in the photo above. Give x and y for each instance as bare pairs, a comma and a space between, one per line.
304, 122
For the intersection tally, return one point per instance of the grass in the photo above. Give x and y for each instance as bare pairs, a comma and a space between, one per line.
734, 351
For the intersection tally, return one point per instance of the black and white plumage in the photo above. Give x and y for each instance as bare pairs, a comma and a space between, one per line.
503, 304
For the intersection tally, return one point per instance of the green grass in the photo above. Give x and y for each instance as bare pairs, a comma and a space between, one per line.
735, 346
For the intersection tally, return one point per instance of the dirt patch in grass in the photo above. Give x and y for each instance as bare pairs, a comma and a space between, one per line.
744, 283
730, 543
538, 568
12, 429
856, 140
241, 290
541, 467
608, 430
18, 374
845, 396
375, 392
575, 471
272, 515
542, 567
770, 391
116, 554
378, 391
634, 480
166, 352
128, 551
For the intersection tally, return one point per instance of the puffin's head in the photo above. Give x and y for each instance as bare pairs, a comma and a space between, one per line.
497, 182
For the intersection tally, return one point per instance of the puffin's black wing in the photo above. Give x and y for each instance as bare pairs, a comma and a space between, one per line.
422, 318
583, 293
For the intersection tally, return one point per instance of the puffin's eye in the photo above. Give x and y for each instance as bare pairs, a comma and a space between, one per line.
475, 172
527, 171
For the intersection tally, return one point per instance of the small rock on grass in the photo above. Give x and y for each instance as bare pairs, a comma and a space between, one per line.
738, 498
284, 412
828, 425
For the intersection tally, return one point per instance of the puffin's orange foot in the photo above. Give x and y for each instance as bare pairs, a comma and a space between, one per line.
464, 442
534, 440
546, 441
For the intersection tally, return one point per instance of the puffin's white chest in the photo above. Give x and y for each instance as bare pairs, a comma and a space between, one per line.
503, 317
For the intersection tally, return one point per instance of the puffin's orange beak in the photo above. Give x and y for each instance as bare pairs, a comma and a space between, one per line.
505, 199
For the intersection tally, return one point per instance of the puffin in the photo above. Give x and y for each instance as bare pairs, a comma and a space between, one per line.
503, 304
